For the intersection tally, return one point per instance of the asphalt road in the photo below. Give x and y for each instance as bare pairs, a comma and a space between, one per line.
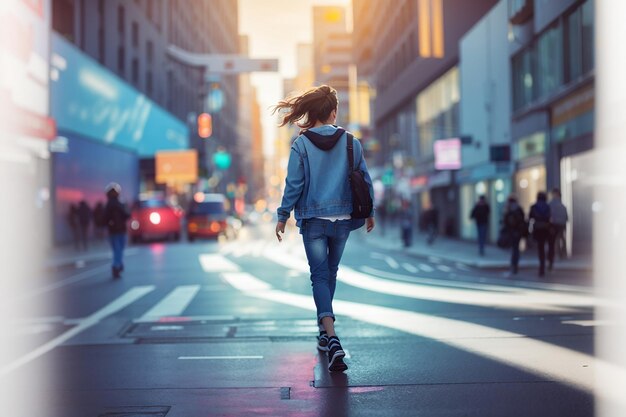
227, 328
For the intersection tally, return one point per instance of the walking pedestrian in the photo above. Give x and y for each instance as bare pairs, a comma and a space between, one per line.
431, 223
480, 214
558, 222
115, 217
84, 220
514, 227
73, 221
98, 222
318, 190
406, 223
539, 219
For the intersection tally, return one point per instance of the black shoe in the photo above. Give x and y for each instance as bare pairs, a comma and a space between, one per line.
322, 342
336, 355
116, 272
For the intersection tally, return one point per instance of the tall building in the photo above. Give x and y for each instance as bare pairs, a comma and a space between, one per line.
131, 38
332, 54
408, 50
553, 97
250, 142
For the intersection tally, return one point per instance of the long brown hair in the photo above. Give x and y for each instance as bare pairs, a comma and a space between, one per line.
306, 109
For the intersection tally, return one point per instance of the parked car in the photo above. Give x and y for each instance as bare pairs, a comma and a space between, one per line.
155, 218
207, 217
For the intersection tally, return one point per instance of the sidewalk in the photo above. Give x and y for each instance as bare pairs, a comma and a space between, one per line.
59, 256
466, 252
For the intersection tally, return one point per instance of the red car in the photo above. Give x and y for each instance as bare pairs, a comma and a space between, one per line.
155, 219
206, 216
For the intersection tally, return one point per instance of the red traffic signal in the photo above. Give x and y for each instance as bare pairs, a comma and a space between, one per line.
205, 125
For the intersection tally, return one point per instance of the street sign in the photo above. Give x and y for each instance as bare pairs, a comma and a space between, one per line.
224, 64
176, 166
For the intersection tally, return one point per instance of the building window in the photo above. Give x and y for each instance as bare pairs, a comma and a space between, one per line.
101, 35
438, 111
574, 46
149, 51
523, 79
135, 34
588, 36
550, 61
580, 50
121, 20
135, 71
121, 60
63, 18
149, 82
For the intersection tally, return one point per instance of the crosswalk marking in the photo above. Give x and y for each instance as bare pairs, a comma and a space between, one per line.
216, 263
173, 304
243, 281
574, 368
114, 306
426, 268
410, 268
444, 268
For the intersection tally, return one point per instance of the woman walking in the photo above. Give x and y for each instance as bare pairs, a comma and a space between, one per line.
318, 190
514, 224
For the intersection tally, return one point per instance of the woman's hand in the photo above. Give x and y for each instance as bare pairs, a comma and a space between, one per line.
370, 224
280, 227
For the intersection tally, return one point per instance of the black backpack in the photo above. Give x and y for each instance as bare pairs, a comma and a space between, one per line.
361, 199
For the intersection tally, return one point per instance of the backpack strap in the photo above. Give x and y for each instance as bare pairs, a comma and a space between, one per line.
350, 152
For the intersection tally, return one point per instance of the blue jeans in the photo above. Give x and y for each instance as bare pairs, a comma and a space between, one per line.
324, 242
482, 237
117, 241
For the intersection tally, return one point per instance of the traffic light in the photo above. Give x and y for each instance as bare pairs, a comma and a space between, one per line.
205, 125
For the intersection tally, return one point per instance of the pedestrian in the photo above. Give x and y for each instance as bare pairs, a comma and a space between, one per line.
318, 190
513, 228
73, 221
406, 224
480, 214
84, 220
98, 222
431, 223
115, 217
539, 219
558, 221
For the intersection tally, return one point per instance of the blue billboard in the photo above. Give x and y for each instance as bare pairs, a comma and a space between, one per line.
90, 100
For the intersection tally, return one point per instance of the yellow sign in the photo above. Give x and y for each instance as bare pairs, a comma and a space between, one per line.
176, 167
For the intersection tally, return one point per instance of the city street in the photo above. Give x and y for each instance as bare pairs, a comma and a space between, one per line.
227, 328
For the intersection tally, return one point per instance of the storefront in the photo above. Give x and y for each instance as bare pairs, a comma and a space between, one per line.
105, 127
494, 182
572, 140
530, 176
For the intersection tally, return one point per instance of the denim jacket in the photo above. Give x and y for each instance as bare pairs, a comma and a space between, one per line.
317, 179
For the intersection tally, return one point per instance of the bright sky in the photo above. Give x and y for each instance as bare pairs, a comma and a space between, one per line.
274, 28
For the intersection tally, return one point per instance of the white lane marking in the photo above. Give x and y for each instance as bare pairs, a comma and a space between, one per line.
462, 267
434, 259
426, 268
162, 328
388, 259
67, 281
188, 319
173, 304
199, 358
216, 263
590, 323
243, 281
410, 268
114, 306
257, 250
437, 281
444, 268
523, 299
572, 367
